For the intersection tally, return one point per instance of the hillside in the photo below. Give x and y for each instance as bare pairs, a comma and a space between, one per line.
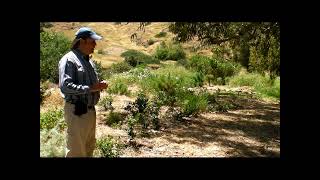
250, 129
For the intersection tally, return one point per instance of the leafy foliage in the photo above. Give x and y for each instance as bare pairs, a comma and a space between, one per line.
192, 104
213, 68
106, 102
108, 147
263, 38
118, 88
51, 119
263, 85
113, 118
120, 67
100, 70
52, 47
134, 58
52, 142
169, 52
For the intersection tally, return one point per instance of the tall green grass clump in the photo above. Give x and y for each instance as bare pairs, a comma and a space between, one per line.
192, 104
263, 85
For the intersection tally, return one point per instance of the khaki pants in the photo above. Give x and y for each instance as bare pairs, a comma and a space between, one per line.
80, 133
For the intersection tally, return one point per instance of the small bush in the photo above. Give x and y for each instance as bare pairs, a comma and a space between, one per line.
99, 69
161, 34
106, 102
113, 118
120, 67
218, 69
118, 88
262, 84
134, 58
51, 119
170, 52
192, 104
52, 143
131, 123
52, 47
198, 79
166, 82
108, 147
153, 109
140, 73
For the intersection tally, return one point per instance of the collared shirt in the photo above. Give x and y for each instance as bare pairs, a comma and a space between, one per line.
76, 74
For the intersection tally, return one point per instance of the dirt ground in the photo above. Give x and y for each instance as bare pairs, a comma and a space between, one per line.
252, 130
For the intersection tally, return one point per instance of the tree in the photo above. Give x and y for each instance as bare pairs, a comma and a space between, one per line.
52, 47
257, 44
262, 38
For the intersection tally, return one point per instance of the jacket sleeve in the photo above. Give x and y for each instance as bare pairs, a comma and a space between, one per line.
67, 79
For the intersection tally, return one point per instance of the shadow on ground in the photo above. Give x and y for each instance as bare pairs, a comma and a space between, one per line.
252, 131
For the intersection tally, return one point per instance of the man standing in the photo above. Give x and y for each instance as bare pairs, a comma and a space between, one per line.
80, 88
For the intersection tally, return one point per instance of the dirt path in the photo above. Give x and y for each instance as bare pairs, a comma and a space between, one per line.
253, 130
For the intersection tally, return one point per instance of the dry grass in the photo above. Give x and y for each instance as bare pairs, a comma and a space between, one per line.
53, 98
116, 38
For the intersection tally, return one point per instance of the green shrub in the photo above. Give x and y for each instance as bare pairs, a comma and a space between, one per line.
153, 109
218, 69
134, 58
118, 88
161, 34
176, 52
106, 102
52, 47
100, 70
262, 84
170, 52
52, 143
192, 104
108, 147
51, 119
169, 80
131, 123
140, 73
198, 79
120, 67
113, 118
199, 63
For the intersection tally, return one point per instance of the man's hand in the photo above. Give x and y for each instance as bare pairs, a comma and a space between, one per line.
99, 86
103, 84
